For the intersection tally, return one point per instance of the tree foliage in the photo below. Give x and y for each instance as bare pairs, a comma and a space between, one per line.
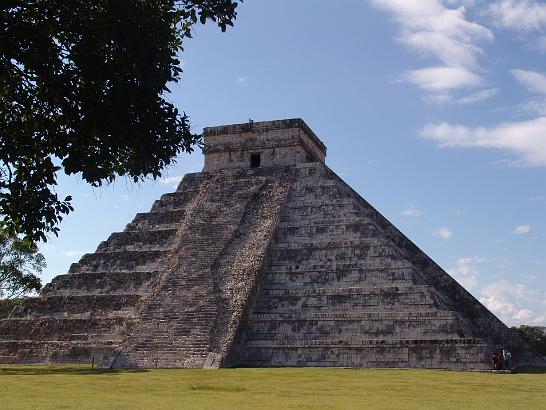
535, 336
20, 265
83, 86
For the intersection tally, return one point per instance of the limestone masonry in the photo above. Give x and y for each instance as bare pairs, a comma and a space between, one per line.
266, 258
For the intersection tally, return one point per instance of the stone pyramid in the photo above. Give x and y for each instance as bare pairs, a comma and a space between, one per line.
266, 258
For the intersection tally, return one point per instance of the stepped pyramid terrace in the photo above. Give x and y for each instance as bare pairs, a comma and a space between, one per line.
265, 258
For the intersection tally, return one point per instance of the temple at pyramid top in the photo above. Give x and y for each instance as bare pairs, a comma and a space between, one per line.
261, 144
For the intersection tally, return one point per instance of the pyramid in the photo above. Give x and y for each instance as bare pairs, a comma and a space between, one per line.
265, 258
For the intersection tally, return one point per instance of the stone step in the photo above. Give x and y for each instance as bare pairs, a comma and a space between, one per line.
55, 351
306, 243
174, 200
191, 181
69, 329
319, 213
123, 261
340, 203
312, 172
369, 326
83, 306
441, 354
326, 258
97, 283
363, 342
354, 331
332, 231
138, 240
267, 303
355, 314
328, 251
385, 289
372, 264
325, 223
157, 220
340, 282
342, 278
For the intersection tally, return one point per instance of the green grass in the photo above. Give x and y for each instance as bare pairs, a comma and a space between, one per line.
76, 387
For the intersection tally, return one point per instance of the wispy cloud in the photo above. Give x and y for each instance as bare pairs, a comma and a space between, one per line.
412, 212
534, 106
477, 97
73, 254
535, 82
526, 139
518, 15
434, 30
532, 80
521, 229
443, 233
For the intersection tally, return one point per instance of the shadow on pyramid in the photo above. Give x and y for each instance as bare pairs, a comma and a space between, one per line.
266, 258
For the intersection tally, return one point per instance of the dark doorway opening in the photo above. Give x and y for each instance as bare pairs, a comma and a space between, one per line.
255, 160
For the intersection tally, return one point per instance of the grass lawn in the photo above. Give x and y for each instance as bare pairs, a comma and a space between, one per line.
73, 387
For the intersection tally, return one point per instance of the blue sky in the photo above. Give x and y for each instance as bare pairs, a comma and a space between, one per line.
434, 111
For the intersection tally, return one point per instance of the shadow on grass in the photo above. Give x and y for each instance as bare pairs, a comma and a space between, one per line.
65, 370
531, 370
210, 388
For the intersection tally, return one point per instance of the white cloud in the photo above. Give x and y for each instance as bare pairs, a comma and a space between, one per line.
73, 254
477, 97
532, 80
522, 229
536, 106
518, 15
172, 181
440, 79
527, 139
468, 3
412, 212
465, 273
515, 304
433, 28
443, 233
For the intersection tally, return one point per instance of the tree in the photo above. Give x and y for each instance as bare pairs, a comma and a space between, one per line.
83, 86
20, 263
535, 336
